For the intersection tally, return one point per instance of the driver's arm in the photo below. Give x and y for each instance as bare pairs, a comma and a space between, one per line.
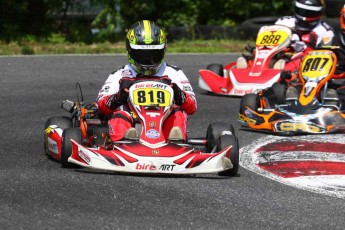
107, 93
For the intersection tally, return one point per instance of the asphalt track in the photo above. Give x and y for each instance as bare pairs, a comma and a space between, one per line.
36, 193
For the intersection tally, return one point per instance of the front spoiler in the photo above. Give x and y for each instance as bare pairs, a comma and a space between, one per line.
288, 123
120, 160
238, 83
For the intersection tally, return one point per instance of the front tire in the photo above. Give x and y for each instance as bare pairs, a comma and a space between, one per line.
217, 69
279, 91
66, 149
223, 142
250, 100
214, 131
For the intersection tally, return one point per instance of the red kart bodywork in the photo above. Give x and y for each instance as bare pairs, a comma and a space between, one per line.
151, 102
260, 72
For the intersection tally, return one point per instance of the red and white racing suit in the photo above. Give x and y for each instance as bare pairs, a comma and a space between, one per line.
323, 32
121, 119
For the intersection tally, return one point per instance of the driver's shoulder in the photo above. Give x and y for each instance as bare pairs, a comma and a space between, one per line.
288, 21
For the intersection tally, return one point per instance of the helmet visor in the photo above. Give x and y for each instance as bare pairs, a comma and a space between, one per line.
305, 24
147, 57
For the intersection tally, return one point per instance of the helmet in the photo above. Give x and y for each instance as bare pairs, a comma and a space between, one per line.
146, 45
308, 13
342, 19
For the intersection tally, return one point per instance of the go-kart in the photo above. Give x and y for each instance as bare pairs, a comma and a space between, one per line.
271, 55
83, 140
308, 106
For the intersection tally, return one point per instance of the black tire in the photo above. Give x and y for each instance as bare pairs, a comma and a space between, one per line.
250, 100
62, 122
214, 131
216, 68
279, 91
251, 27
224, 141
66, 149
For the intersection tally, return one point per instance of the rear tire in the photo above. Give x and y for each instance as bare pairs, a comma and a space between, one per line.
224, 141
66, 149
214, 131
217, 69
61, 122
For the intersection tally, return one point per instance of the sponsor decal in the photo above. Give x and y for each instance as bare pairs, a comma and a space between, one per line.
152, 133
151, 85
187, 88
246, 119
314, 163
151, 167
155, 151
166, 167
326, 40
84, 156
152, 124
52, 146
143, 166
286, 126
126, 73
243, 91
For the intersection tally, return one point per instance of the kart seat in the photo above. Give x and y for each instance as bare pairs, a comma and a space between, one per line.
280, 64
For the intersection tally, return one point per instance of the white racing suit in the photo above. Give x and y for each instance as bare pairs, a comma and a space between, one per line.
323, 34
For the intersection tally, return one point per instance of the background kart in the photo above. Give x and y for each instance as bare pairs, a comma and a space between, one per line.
83, 140
262, 69
310, 105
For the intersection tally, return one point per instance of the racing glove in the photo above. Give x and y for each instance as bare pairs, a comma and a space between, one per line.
310, 39
299, 46
179, 95
121, 97
118, 99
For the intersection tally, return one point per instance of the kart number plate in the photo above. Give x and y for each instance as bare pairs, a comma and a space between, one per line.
317, 64
151, 96
271, 38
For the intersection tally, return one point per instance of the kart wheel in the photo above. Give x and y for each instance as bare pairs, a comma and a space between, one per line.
279, 91
216, 68
250, 100
66, 149
214, 131
224, 141
62, 122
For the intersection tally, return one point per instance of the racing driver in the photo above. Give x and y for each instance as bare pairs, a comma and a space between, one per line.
146, 45
308, 28
309, 31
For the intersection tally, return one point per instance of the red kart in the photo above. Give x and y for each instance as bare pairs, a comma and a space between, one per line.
259, 70
83, 139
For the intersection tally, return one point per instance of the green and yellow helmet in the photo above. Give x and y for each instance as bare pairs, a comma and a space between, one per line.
146, 45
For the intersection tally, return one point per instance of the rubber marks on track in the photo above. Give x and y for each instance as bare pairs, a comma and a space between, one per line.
314, 163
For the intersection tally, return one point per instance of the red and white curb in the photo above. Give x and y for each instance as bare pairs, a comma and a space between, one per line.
314, 162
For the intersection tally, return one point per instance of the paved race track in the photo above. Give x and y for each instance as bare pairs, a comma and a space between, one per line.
36, 193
